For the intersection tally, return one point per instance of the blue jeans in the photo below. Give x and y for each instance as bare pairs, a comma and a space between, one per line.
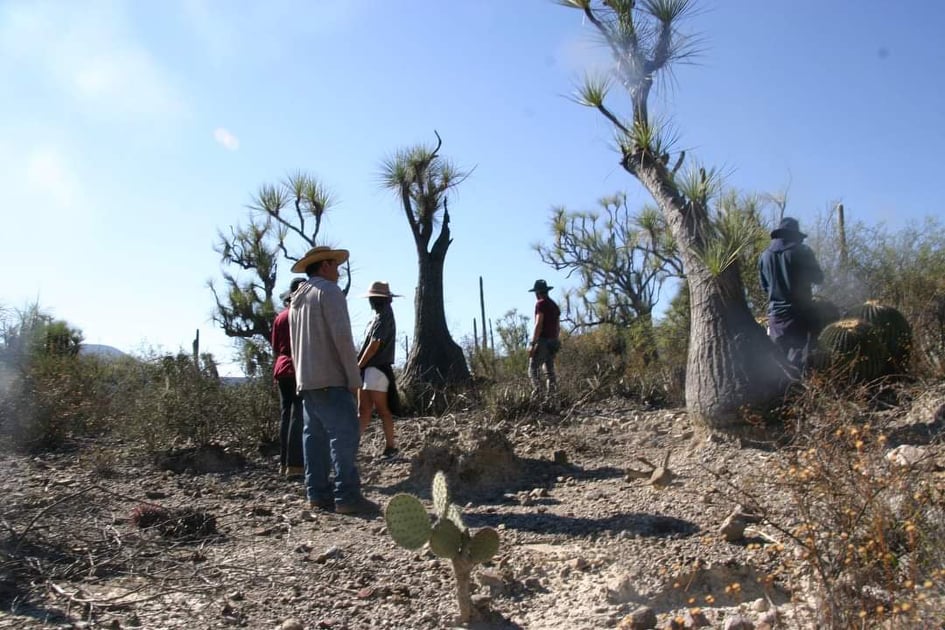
330, 442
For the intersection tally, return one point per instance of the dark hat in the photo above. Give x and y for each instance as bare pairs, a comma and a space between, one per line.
541, 287
789, 228
293, 286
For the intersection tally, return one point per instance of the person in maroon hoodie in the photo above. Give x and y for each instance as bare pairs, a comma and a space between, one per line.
290, 429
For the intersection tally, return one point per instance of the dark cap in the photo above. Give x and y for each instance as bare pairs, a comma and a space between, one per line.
293, 286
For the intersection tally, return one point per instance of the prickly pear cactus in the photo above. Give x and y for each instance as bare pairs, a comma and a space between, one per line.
893, 331
483, 545
407, 521
449, 538
446, 541
851, 347
441, 494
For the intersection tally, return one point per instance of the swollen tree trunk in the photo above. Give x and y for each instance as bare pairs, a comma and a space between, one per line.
732, 367
435, 358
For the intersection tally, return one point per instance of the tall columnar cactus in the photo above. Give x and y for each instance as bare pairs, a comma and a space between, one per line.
448, 537
852, 346
893, 331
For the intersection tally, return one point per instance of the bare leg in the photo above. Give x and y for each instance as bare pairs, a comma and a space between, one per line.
365, 407
379, 400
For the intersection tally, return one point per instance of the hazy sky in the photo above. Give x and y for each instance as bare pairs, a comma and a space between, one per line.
131, 131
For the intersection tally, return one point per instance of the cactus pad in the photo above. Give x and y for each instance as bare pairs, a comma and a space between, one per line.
892, 329
453, 513
483, 545
407, 521
852, 345
446, 541
441, 494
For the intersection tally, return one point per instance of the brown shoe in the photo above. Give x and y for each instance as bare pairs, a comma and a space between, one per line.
327, 505
295, 471
359, 506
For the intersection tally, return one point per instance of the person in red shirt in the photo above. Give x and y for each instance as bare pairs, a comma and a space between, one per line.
544, 343
290, 429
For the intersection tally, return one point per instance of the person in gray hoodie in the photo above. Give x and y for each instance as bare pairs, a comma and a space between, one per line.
788, 269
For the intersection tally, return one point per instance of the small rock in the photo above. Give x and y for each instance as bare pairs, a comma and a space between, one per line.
366, 592
643, 618
738, 622
695, 619
492, 580
768, 621
532, 584
291, 624
621, 591
331, 552
760, 605
236, 596
579, 564
907, 455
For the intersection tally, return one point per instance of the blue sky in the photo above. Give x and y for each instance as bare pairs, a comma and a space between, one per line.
130, 132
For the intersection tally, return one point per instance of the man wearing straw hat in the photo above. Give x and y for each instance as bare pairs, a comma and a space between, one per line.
326, 370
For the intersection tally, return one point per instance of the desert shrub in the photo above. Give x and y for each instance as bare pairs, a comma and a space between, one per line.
865, 529
179, 402
48, 392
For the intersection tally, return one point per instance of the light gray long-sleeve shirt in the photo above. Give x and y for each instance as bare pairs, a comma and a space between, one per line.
322, 346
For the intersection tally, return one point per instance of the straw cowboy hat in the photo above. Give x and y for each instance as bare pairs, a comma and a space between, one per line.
317, 254
789, 228
380, 289
540, 287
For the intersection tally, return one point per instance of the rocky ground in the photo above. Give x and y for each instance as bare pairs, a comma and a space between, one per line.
583, 545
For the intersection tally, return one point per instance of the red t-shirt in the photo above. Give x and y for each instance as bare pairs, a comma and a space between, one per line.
551, 315
281, 347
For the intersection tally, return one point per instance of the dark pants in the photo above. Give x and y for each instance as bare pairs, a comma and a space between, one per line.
793, 333
290, 429
543, 358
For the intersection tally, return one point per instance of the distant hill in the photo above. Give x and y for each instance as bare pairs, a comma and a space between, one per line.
100, 350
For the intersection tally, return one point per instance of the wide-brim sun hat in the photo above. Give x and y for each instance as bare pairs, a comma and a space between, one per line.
540, 287
317, 254
788, 228
380, 289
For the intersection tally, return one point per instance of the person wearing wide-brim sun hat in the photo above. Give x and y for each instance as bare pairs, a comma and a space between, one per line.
376, 360
328, 379
544, 343
788, 269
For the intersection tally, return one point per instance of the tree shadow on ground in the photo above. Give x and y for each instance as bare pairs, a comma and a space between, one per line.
492, 486
639, 524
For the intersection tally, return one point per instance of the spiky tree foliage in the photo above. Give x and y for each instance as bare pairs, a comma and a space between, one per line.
621, 258
285, 221
731, 364
423, 179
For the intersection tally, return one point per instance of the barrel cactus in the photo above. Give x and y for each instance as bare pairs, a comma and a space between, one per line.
852, 347
823, 313
893, 331
448, 537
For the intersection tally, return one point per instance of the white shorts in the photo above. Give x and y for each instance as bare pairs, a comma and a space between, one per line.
375, 380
